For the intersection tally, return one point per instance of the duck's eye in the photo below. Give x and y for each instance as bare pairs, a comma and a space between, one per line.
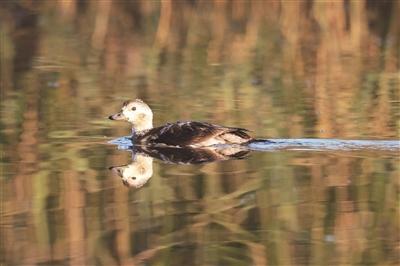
133, 108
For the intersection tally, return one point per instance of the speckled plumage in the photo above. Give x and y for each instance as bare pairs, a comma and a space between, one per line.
192, 133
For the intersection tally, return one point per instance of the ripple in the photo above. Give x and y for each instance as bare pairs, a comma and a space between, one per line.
325, 144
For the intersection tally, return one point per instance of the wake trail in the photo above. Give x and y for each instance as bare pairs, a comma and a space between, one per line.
124, 143
324, 144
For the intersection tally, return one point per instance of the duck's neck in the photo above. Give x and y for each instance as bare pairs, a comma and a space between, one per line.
143, 124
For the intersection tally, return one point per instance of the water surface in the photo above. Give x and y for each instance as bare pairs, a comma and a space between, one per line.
321, 79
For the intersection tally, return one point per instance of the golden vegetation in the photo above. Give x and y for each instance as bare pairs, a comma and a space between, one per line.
281, 68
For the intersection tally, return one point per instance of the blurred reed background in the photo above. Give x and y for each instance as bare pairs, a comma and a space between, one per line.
327, 69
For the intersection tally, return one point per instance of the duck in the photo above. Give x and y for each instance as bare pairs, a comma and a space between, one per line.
178, 134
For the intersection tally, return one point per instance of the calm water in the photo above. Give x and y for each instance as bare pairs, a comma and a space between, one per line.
297, 72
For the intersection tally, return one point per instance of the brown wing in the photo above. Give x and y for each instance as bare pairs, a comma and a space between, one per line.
187, 133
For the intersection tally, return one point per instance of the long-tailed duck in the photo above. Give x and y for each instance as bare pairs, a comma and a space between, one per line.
180, 134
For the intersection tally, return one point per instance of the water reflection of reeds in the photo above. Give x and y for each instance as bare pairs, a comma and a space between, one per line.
281, 68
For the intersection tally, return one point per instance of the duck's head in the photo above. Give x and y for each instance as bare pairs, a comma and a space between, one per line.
137, 173
137, 113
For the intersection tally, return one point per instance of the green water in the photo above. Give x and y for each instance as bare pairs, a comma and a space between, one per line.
283, 69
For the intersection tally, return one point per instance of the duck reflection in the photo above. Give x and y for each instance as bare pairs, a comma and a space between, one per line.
137, 173
140, 170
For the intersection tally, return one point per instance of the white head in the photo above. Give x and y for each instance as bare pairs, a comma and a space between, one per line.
136, 112
137, 173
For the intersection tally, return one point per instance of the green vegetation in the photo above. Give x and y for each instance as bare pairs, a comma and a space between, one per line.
280, 68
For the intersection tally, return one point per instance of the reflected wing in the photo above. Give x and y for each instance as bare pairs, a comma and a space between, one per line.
187, 155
